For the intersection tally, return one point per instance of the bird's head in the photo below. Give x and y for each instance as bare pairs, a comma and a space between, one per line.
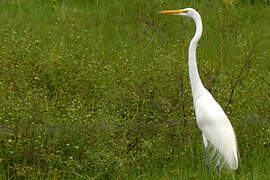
190, 12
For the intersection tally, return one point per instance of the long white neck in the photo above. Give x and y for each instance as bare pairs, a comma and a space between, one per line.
196, 84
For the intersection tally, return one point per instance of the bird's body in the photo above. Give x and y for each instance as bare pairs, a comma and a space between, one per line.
216, 128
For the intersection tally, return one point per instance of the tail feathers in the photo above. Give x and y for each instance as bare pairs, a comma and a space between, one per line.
224, 148
234, 160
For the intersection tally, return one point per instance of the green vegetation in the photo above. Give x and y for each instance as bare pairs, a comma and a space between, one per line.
100, 89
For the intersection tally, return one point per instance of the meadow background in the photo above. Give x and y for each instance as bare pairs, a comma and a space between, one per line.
93, 89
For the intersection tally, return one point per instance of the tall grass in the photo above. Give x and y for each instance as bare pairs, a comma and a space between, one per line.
100, 90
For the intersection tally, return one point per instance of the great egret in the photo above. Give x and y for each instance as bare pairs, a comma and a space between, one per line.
211, 119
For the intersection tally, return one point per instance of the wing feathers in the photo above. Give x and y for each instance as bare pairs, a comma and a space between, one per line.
217, 129
224, 143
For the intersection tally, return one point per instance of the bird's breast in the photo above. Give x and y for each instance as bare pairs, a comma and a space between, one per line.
209, 113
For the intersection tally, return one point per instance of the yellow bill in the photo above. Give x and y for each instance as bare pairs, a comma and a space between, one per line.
173, 12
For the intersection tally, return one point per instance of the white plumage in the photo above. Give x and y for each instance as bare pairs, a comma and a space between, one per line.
211, 119
217, 129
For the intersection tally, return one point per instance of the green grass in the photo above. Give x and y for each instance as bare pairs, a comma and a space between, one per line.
100, 89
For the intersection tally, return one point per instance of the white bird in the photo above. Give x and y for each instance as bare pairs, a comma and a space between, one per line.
216, 128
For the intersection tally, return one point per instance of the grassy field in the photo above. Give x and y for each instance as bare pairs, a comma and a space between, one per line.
100, 89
